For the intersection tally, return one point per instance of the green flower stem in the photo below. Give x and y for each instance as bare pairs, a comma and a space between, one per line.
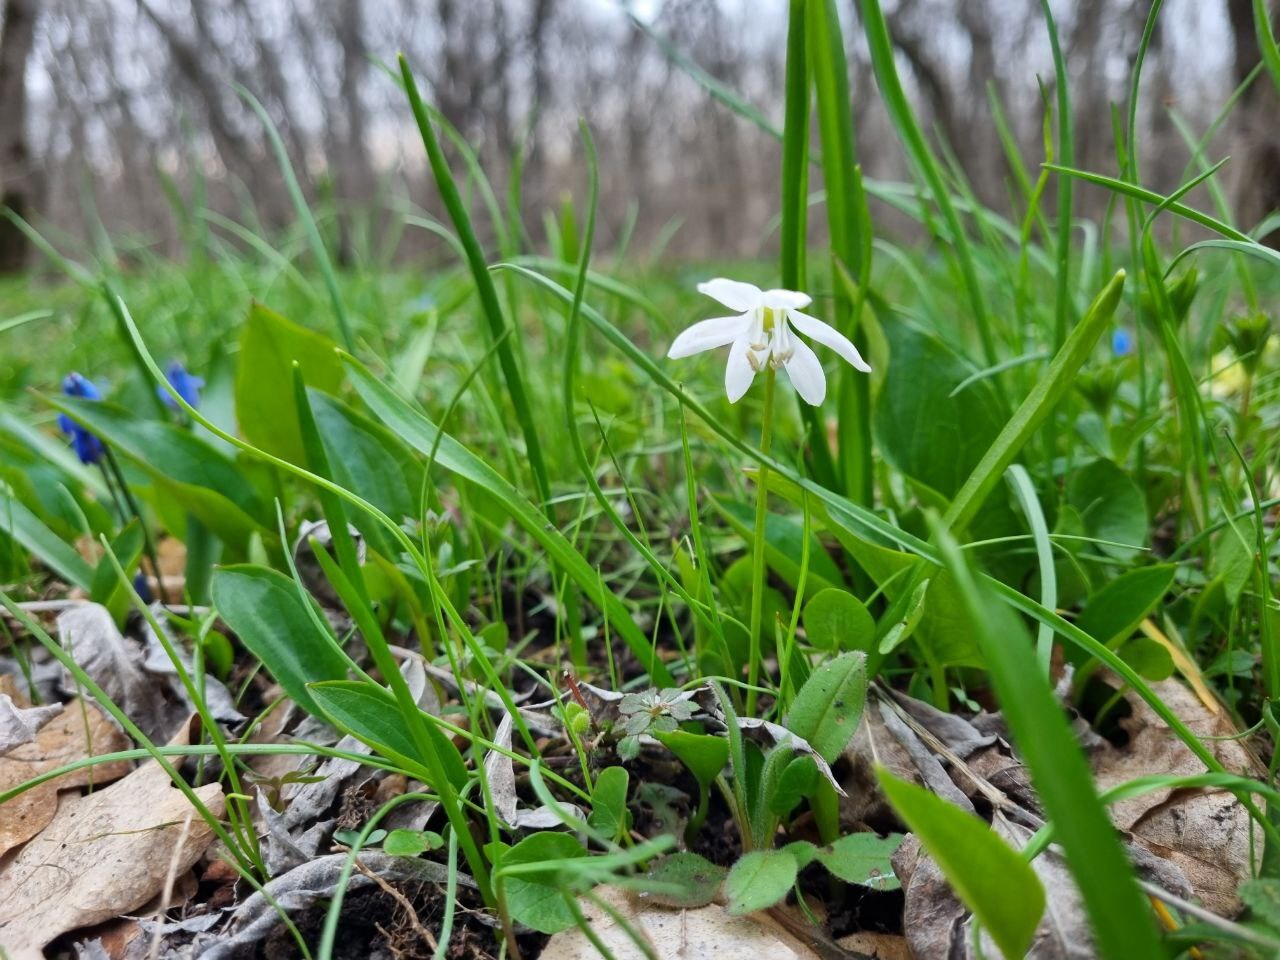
757, 554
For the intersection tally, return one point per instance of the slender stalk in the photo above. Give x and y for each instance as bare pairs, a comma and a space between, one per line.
147, 545
757, 551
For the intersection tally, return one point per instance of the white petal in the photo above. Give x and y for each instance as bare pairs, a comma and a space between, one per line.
806, 373
707, 335
785, 299
739, 372
828, 336
732, 293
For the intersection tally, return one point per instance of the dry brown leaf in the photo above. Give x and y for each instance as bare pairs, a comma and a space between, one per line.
876, 946
103, 855
1204, 832
81, 730
708, 932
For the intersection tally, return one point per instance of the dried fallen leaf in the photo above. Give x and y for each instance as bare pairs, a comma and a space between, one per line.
18, 725
81, 730
707, 932
103, 854
1204, 832
115, 663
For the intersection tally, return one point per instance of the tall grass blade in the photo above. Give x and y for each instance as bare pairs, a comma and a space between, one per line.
488, 294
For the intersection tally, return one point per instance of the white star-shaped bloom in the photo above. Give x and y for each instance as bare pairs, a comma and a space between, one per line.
760, 333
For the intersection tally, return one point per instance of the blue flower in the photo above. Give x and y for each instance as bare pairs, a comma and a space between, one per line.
142, 586
1122, 342
187, 384
86, 445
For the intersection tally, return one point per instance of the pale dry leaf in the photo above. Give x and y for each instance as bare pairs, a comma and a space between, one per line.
707, 933
1204, 832
103, 855
81, 730
115, 663
876, 946
18, 725
501, 774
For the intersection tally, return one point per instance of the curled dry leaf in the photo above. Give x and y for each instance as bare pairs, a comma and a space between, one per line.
702, 934
103, 854
18, 725
80, 730
1204, 832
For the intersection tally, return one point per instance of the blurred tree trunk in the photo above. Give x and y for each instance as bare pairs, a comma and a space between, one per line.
1256, 186
17, 175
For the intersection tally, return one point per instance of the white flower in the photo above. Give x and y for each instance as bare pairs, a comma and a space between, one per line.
761, 333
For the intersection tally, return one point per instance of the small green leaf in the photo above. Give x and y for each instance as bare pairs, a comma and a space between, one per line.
697, 878
799, 778
267, 613
991, 878
705, 755
862, 858
828, 707
407, 843
609, 802
759, 880
536, 899
1149, 658
837, 620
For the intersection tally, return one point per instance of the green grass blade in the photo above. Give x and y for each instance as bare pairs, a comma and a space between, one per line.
485, 289
1267, 40
415, 429
308, 221
849, 229
1136, 192
913, 140
1119, 915
1046, 394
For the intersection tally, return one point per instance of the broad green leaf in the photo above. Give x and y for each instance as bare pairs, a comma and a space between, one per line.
536, 899
28, 530
837, 620
1111, 506
369, 713
609, 802
267, 613
759, 880
705, 755
988, 875
862, 858
923, 431
1114, 612
203, 481
414, 428
366, 458
828, 707
269, 347
698, 880
1048, 391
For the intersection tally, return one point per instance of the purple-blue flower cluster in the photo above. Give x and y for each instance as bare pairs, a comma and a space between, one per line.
187, 384
86, 445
